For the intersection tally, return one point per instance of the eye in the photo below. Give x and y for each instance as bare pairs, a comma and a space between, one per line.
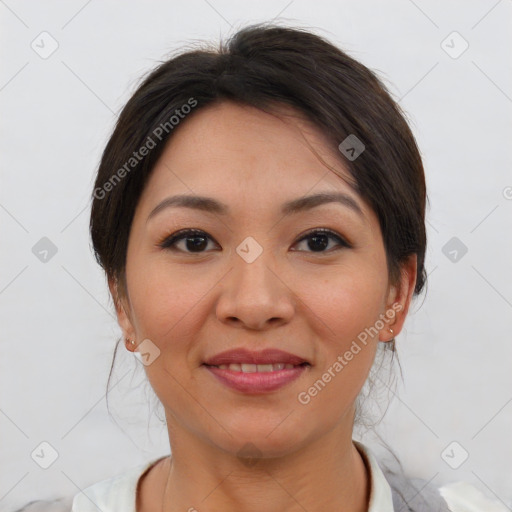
318, 240
195, 240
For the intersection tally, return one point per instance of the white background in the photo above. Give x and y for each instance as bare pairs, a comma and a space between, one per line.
57, 327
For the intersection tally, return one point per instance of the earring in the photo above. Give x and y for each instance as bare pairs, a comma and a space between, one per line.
391, 331
128, 341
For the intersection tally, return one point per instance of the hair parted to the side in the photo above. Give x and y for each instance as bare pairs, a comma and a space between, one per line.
267, 66
261, 66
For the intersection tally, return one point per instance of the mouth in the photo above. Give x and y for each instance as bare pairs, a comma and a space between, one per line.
257, 368
256, 372
249, 361
256, 379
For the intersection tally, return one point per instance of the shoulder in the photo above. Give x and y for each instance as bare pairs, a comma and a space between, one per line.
464, 497
419, 495
393, 491
112, 494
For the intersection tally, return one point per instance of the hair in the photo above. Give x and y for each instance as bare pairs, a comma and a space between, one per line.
267, 66
262, 66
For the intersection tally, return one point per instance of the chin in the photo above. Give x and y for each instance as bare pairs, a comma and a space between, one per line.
260, 440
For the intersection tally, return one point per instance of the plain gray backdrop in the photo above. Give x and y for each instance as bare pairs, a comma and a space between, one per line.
67, 70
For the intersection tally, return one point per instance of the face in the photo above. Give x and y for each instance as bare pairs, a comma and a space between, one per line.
307, 281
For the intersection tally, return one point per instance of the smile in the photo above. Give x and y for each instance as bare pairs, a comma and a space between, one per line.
251, 368
257, 378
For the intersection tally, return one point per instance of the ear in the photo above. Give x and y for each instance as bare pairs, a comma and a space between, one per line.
122, 309
399, 299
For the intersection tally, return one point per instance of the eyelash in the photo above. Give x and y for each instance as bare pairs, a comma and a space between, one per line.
170, 241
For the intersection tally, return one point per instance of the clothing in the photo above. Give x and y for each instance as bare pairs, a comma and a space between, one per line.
118, 494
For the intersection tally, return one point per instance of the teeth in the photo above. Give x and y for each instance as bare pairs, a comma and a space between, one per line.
252, 368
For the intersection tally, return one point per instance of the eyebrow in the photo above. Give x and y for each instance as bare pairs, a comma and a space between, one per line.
211, 205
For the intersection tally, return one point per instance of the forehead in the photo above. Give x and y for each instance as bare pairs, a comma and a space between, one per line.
243, 155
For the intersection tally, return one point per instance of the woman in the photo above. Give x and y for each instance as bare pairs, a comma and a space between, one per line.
259, 212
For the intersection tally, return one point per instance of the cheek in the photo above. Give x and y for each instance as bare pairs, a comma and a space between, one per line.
341, 311
345, 302
167, 307
167, 302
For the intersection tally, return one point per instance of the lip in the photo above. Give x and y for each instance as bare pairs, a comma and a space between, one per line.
256, 382
243, 355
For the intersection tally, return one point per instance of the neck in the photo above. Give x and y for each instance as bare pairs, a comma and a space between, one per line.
328, 474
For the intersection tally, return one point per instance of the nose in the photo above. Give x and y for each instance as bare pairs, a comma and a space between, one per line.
254, 296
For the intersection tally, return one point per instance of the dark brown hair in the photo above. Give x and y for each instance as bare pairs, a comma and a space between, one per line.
262, 65
267, 66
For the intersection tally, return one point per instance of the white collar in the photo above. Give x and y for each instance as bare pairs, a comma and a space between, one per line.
381, 498
119, 492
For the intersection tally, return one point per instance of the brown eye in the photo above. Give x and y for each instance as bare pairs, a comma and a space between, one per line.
318, 240
195, 241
